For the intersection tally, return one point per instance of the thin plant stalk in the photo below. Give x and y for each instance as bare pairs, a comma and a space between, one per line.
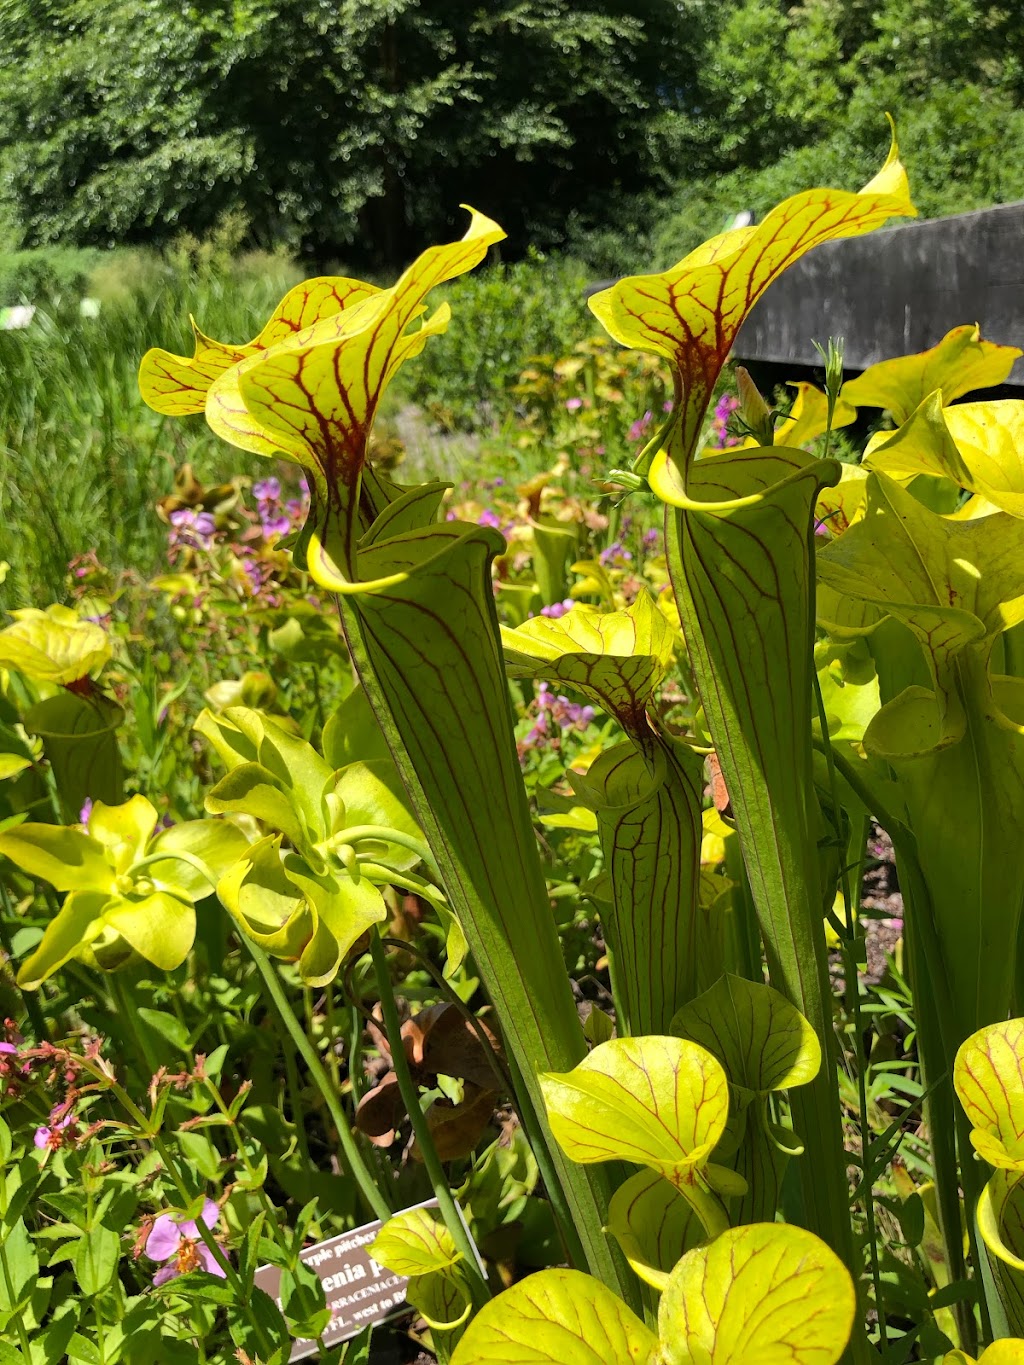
424, 1138
360, 1172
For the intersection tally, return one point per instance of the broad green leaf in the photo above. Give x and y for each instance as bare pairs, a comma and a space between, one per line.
955, 584
1000, 1215
922, 445
313, 397
176, 385
160, 927
767, 1292
265, 903
372, 794
691, 314
740, 559
96, 1258
958, 364
646, 802
616, 659
79, 737
352, 733
250, 789
414, 1242
762, 1040
66, 858
53, 646
124, 831
657, 1101
76, 924
653, 1224
557, 1317
988, 1076
217, 844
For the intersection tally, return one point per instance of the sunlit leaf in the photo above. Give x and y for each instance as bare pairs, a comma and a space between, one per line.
762, 1040
958, 364
53, 645
767, 1292
414, 1242
616, 659
657, 1101
557, 1317
176, 384
691, 314
988, 1076
653, 1224
313, 397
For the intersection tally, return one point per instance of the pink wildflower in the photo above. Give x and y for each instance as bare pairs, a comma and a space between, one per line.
177, 1242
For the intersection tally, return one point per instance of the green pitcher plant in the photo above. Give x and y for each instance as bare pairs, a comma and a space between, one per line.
851, 644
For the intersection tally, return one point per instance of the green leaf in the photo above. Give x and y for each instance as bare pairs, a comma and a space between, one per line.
762, 1040
22, 1266
343, 909
77, 924
557, 1317
79, 735
647, 802
740, 559
66, 858
690, 314
616, 659
96, 1259
765, 1292
167, 1026
436, 679
414, 1242
959, 363
659, 1102
653, 1224
352, 733
988, 1077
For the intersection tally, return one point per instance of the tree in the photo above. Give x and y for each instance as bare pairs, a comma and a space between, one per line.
337, 125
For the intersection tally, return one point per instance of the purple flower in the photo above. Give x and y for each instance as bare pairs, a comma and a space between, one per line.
267, 490
52, 1136
668, 405
573, 404
489, 518
191, 528
616, 556
652, 539
558, 609
275, 526
85, 812
177, 1242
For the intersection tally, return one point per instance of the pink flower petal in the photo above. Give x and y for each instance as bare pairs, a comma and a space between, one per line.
209, 1262
169, 1272
163, 1239
210, 1214
42, 1137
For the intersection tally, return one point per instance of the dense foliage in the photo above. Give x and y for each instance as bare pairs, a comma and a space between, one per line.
351, 129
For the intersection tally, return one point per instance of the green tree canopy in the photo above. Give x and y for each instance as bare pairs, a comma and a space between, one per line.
332, 123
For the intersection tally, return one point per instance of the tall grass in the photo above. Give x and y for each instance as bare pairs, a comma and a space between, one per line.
82, 459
